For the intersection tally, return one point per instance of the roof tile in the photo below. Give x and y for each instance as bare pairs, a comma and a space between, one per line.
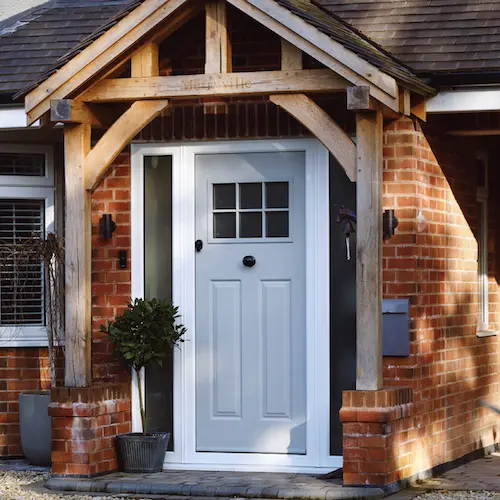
467, 31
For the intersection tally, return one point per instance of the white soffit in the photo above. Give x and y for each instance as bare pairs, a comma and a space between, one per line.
465, 101
13, 117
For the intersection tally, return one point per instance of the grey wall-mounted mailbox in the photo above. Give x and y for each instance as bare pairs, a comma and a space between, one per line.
396, 327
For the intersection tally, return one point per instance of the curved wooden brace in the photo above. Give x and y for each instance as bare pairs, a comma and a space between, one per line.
307, 112
117, 137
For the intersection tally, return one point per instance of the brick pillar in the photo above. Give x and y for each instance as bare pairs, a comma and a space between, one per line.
85, 424
376, 437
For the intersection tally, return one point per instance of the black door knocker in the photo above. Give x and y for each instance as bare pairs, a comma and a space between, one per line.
249, 261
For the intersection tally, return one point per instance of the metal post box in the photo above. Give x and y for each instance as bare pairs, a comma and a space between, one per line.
396, 327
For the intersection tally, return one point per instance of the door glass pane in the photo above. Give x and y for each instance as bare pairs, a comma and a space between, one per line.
250, 224
251, 195
224, 196
277, 225
225, 225
158, 282
276, 194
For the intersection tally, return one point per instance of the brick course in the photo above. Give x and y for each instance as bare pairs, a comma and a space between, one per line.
431, 183
111, 286
85, 423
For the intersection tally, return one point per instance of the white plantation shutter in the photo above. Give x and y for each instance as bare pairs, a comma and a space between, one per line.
21, 280
22, 164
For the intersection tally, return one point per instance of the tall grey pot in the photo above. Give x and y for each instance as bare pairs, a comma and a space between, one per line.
36, 427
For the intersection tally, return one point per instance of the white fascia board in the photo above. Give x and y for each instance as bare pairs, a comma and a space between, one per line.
465, 101
14, 117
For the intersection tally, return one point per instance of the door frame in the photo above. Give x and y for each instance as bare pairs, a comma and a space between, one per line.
317, 233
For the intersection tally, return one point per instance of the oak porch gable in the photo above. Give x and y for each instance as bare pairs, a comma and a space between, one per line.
74, 93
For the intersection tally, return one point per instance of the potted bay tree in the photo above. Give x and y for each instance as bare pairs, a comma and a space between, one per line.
143, 336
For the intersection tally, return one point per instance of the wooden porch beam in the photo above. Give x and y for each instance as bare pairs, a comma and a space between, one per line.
146, 62
106, 50
78, 258
419, 109
229, 85
321, 47
307, 112
117, 137
71, 111
369, 238
291, 56
404, 101
218, 54
360, 99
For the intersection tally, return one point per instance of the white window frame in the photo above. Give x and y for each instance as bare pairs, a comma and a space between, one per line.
483, 326
29, 188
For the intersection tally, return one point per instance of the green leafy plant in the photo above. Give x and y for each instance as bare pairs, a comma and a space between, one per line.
144, 335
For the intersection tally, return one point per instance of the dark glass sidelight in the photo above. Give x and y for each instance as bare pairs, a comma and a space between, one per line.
158, 282
342, 303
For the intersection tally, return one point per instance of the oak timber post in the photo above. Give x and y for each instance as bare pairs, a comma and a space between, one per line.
369, 250
218, 54
78, 258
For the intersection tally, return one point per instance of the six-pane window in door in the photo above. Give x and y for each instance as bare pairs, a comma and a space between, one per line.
21, 277
248, 210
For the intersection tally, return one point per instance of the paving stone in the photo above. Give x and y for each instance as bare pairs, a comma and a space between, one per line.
186, 484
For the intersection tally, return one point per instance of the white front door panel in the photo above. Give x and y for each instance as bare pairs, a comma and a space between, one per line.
250, 321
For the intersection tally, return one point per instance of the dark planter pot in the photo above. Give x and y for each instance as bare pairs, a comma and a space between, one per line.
36, 427
142, 453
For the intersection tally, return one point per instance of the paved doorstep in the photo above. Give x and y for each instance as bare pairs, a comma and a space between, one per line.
217, 484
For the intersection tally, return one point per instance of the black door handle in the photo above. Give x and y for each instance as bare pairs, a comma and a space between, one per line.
198, 245
249, 261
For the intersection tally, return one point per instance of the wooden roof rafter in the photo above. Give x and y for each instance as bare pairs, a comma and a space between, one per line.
107, 54
118, 44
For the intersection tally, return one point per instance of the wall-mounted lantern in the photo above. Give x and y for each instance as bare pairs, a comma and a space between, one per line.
348, 219
390, 224
107, 226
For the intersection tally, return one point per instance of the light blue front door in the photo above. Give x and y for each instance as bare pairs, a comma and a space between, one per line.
250, 303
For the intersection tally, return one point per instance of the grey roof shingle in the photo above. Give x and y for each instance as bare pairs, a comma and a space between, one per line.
431, 36
337, 29
32, 43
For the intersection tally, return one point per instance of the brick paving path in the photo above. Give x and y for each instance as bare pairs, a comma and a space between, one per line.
218, 484
481, 474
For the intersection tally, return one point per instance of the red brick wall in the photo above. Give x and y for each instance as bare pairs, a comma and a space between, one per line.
431, 182
111, 286
85, 423
21, 370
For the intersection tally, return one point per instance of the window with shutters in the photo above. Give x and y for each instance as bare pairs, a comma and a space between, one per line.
26, 212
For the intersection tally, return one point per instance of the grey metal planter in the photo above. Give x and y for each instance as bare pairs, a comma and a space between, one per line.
142, 453
36, 427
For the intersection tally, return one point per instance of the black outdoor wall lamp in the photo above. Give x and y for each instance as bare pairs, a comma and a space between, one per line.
348, 219
107, 226
390, 224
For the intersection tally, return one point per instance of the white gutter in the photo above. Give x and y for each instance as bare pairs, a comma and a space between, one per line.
465, 101
14, 117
